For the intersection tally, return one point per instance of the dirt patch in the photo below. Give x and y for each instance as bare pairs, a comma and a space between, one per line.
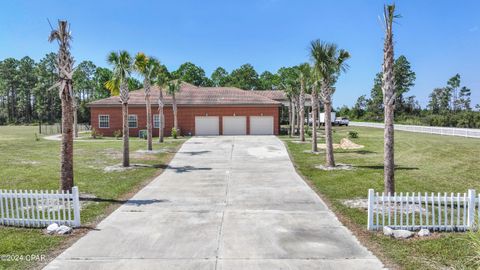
150, 155
362, 203
338, 167
29, 162
119, 167
344, 144
313, 152
112, 153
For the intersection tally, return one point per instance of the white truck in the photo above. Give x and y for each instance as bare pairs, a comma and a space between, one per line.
332, 118
341, 121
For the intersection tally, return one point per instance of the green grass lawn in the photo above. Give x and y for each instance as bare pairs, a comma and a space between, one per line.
424, 162
26, 163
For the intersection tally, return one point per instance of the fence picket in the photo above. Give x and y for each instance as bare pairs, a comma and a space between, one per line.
413, 210
452, 210
1, 207
383, 209
458, 212
376, 209
389, 209
464, 226
445, 221
401, 210
426, 209
407, 210
420, 209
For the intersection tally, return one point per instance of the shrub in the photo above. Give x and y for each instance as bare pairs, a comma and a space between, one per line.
95, 134
308, 131
117, 134
174, 133
352, 134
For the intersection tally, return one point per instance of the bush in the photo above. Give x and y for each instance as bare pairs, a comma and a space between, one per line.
308, 131
352, 134
95, 134
174, 133
117, 134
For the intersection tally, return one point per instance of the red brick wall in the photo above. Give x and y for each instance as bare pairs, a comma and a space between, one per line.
186, 117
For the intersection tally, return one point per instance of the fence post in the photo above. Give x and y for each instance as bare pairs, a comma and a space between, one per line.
76, 207
471, 208
371, 197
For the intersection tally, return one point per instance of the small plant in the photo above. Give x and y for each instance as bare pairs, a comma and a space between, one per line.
36, 137
95, 134
352, 134
308, 131
174, 133
117, 134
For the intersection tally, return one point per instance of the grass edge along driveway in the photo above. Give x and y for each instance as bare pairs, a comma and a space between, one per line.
430, 163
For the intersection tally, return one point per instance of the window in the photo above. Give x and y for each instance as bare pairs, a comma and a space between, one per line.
132, 121
103, 121
156, 121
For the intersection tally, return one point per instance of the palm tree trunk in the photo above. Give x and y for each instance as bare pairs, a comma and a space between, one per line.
160, 120
388, 137
66, 171
314, 120
293, 112
126, 154
174, 106
298, 115
290, 118
388, 89
149, 123
302, 113
328, 134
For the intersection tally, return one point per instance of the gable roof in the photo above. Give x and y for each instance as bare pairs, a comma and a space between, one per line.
277, 95
191, 95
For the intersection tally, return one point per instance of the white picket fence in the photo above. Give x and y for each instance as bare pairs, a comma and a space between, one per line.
415, 211
448, 131
39, 208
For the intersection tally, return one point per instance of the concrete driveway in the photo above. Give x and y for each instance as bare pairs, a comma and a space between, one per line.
223, 203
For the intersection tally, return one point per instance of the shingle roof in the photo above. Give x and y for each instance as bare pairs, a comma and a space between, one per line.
193, 95
278, 95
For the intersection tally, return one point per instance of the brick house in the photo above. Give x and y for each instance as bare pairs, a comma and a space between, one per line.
201, 111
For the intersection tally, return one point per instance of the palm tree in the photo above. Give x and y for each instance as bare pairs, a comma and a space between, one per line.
147, 67
122, 68
161, 81
304, 73
173, 87
329, 62
314, 99
389, 96
65, 86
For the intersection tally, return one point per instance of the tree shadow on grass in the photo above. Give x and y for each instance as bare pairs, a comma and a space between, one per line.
361, 152
180, 169
129, 202
195, 153
380, 167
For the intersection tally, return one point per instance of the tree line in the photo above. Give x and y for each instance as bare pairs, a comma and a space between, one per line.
450, 105
26, 95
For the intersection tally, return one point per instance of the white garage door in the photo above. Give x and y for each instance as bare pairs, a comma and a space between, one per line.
261, 125
206, 125
234, 125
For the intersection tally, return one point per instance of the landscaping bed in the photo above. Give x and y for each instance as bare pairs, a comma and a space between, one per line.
425, 163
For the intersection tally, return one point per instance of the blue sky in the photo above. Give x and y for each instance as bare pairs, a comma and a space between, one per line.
440, 38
